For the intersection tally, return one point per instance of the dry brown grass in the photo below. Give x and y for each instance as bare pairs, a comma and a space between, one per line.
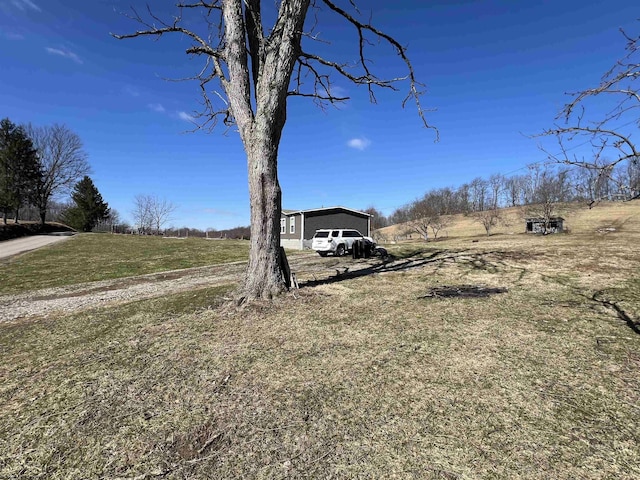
353, 376
579, 218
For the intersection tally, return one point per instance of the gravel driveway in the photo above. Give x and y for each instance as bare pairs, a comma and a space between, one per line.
52, 301
121, 290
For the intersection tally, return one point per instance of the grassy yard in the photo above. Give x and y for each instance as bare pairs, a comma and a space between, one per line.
357, 376
91, 257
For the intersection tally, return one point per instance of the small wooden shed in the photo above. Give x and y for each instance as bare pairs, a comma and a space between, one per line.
541, 226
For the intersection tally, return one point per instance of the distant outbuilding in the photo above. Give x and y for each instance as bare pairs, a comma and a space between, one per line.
543, 226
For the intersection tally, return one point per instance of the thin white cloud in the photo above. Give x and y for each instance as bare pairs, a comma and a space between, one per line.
156, 107
63, 52
26, 5
339, 91
186, 117
359, 143
133, 91
12, 36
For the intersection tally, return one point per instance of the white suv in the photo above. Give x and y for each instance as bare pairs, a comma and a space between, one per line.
337, 241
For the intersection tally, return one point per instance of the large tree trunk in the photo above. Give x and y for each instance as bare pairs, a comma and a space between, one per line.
272, 62
264, 278
43, 216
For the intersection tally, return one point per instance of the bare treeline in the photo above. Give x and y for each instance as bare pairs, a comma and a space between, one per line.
237, 233
540, 185
608, 168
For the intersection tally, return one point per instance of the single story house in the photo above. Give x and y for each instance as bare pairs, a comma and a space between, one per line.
298, 226
537, 225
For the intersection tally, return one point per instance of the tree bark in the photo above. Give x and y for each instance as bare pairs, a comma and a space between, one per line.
261, 132
264, 278
42, 210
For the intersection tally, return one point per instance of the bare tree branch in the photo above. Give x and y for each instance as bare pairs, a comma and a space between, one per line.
252, 70
369, 78
202, 47
611, 144
63, 162
255, 43
209, 6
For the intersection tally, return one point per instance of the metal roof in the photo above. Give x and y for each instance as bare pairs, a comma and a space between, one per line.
292, 212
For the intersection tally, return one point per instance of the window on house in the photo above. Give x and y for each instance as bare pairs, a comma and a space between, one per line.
292, 225
283, 225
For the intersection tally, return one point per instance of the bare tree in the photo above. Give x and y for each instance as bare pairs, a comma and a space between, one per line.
152, 213
422, 216
478, 191
438, 223
496, 186
627, 179
63, 162
378, 220
441, 200
553, 188
463, 198
400, 215
590, 185
608, 135
488, 219
438, 204
253, 69
531, 181
514, 190
109, 223
142, 214
161, 211
419, 220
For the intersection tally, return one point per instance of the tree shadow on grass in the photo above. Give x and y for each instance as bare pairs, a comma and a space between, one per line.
391, 264
490, 262
597, 298
620, 312
462, 291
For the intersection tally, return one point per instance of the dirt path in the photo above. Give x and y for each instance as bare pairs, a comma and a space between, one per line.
123, 290
25, 244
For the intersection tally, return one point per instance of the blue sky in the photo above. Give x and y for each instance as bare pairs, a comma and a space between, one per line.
495, 71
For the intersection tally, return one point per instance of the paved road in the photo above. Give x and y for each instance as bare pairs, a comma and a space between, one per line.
21, 245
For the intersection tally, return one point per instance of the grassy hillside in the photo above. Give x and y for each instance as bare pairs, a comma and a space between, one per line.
579, 219
515, 356
370, 374
91, 257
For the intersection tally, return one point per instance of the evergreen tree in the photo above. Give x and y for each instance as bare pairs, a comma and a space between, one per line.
88, 206
19, 168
